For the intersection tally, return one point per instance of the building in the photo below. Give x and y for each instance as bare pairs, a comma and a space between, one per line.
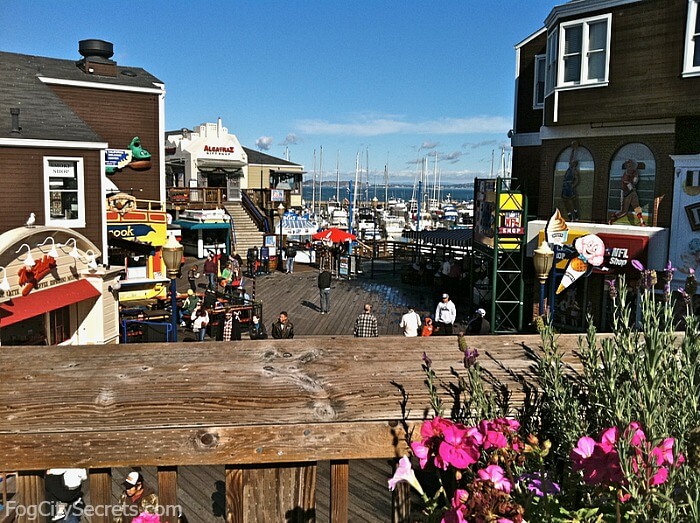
606, 130
222, 195
71, 132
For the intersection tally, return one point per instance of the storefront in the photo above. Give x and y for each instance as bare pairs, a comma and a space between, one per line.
204, 231
53, 291
573, 294
207, 157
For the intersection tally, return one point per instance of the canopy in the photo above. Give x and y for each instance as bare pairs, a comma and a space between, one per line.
334, 235
296, 225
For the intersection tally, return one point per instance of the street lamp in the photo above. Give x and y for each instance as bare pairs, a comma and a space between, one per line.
543, 260
280, 213
172, 257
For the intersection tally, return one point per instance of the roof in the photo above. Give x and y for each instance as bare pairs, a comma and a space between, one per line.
454, 237
260, 158
43, 115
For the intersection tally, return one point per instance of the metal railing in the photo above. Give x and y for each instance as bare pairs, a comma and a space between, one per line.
196, 197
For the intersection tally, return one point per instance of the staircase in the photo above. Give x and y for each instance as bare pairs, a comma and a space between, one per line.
247, 233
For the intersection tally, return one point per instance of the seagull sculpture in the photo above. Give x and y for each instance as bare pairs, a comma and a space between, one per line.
31, 220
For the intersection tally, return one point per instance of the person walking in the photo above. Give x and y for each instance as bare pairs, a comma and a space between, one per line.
211, 270
410, 323
324, 290
192, 275
252, 259
290, 252
64, 494
445, 315
282, 329
366, 324
257, 329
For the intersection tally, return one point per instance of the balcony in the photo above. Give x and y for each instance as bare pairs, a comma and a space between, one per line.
195, 198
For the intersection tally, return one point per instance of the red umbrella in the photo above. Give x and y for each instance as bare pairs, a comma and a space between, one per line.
334, 235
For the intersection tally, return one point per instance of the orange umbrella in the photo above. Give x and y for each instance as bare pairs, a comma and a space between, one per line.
334, 235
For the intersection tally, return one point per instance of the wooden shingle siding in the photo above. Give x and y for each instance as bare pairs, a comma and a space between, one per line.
646, 61
22, 175
117, 117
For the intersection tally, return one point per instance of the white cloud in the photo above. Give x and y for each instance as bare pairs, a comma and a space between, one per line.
377, 126
264, 143
290, 139
429, 145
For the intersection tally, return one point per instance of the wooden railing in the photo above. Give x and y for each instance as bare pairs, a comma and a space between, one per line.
196, 197
267, 410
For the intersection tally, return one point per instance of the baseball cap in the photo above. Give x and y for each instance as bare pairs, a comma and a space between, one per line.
132, 479
190, 292
481, 311
445, 295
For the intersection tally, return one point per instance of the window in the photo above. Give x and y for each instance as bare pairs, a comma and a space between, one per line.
64, 204
540, 73
573, 183
584, 56
691, 62
551, 62
632, 185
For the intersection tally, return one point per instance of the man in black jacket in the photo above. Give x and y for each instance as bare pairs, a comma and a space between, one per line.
324, 289
283, 328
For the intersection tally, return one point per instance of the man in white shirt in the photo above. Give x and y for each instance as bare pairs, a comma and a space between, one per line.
445, 316
410, 323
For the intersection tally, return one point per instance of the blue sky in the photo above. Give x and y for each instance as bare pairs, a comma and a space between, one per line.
393, 81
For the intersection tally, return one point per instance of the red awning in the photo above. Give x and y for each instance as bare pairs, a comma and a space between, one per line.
45, 300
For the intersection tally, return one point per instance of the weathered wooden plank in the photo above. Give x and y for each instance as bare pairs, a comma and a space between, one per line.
234, 494
100, 481
167, 491
340, 473
30, 493
202, 446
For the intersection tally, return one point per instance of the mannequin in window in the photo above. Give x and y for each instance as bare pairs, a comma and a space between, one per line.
630, 198
569, 191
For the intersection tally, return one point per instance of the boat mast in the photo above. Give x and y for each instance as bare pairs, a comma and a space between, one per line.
386, 181
320, 181
313, 187
491, 173
436, 187
354, 193
337, 177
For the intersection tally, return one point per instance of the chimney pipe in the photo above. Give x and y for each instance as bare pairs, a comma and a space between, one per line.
16, 129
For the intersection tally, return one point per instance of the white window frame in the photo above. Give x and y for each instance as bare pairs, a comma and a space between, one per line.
584, 81
80, 175
539, 59
691, 40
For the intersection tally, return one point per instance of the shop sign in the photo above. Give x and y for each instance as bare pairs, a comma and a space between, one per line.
116, 159
218, 149
130, 231
277, 195
344, 268
31, 276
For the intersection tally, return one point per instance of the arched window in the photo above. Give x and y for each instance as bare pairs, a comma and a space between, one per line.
573, 183
631, 187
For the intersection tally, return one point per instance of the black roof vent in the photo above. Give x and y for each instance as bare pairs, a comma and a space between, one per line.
96, 50
16, 129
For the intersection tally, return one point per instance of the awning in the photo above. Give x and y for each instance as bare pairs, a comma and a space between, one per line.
201, 225
297, 226
45, 300
446, 237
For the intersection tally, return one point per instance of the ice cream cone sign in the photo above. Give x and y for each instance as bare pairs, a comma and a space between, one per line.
591, 253
556, 231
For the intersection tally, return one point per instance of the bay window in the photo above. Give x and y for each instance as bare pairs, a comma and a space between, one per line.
691, 61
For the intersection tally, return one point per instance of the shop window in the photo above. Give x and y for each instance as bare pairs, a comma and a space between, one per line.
64, 204
540, 72
59, 325
631, 187
691, 61
583, 59
573, 183
286, 182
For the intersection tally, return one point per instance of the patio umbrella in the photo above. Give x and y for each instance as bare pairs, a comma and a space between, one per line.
334, 235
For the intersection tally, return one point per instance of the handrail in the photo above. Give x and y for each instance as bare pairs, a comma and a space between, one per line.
196, 197
269, 403
253, 211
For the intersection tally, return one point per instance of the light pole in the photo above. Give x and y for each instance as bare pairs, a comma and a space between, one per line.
280, 213
172, 257
543, 260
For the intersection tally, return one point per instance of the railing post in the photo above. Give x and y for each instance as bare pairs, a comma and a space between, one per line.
340, 474
167, 492
101, 494
234, 494
30, 494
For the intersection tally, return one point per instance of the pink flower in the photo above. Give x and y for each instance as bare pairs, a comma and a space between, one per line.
635, 434
584, 449
421, 452
608, 439
664, 452
496, 475
459, 448
145, 517
404, 472
660, 477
